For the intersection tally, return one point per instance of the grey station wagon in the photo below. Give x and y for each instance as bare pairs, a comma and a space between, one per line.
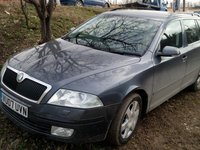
97, 81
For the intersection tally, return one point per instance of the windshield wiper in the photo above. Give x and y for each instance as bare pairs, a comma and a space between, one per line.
67, 37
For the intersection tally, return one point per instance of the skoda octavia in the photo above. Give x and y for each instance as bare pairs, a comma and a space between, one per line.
97, 81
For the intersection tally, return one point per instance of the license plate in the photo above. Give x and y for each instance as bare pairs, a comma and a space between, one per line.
15, 106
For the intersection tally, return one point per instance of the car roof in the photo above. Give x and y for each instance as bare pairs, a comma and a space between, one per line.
152, 14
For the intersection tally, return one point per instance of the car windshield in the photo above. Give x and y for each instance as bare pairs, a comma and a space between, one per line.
117, 34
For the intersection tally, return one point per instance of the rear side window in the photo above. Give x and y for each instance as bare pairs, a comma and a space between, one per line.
172, 35
192, 33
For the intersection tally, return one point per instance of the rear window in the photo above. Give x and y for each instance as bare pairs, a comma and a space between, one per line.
191, 30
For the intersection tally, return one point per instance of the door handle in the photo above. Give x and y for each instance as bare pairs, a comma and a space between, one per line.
184, 58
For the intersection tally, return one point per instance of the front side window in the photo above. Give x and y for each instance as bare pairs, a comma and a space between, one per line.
116, 34
172, 35
191, 31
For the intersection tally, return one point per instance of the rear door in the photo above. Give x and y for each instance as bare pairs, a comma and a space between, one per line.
191, 50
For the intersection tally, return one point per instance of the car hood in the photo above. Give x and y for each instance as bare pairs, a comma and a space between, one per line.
62, 61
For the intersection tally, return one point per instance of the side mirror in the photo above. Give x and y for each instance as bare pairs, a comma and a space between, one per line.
169, 51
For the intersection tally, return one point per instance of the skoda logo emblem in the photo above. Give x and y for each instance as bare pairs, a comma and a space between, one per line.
20, 77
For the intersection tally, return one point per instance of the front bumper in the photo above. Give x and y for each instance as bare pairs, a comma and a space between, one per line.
90, 125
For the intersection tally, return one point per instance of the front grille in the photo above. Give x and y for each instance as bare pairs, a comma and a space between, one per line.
27, 88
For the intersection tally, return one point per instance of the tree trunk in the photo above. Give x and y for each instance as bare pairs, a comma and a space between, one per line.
48, 29
46, 34
43, 31
44, 10
183, 5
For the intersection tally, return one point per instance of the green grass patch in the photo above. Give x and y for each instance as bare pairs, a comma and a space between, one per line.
15, 36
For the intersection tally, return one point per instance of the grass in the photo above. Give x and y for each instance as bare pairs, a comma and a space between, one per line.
15, 36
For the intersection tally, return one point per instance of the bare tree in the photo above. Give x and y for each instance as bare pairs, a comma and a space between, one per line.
44, 9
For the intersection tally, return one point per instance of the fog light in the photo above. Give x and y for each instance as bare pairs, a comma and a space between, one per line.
62, 132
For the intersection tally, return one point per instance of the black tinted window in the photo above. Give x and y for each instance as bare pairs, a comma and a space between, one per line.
191, 31
172, 35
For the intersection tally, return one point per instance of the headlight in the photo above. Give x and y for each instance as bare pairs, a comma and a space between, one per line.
75, 99
3, 69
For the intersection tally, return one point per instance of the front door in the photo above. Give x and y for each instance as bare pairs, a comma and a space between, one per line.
169, 71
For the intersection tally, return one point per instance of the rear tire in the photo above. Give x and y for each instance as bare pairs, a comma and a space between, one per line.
79, 3
126, 120
106, 5
196, 85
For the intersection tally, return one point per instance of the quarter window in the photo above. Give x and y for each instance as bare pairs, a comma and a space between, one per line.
198, 27
191, 31
172, 35
198, 24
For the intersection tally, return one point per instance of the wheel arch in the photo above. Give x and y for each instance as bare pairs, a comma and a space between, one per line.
107, 4
82, 1
144, 97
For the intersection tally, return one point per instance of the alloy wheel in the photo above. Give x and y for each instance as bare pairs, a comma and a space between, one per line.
130, 119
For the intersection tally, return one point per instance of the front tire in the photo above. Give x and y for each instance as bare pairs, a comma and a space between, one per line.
126, 120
